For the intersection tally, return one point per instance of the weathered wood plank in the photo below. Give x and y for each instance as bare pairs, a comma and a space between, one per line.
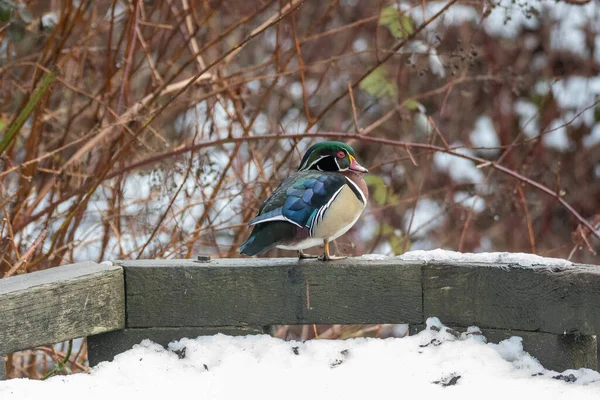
106, 346
59, 304
2, 368
554, 300
553, 351
239, 292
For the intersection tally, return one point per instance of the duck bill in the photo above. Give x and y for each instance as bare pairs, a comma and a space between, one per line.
355, 166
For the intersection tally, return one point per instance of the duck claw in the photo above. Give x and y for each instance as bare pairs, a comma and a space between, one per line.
303, 256
326, 257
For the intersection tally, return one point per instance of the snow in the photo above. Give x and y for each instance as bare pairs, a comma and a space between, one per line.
511, 350
385, 248
200, 116
455, 15
296, 90
556, 136
484, 135
261, 125
476, 203
294, 121
528, 117
435, 64
400, 330
485, 245
460, 169
428, 215
360, 45
593, 138
418, 47
574, 95
508, 18
225, 367
372, 257
514, 259
368, 227
422, 124
568, 33
49, 20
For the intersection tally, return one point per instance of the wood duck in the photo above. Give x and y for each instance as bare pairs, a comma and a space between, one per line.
314, 206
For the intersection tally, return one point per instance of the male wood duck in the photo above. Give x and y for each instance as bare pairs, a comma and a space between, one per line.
314, 206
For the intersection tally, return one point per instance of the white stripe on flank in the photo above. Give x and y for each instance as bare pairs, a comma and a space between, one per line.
276, 218
322, 210
362, 195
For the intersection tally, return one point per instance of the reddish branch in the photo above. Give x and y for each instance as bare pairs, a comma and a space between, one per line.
389, 55
330, 135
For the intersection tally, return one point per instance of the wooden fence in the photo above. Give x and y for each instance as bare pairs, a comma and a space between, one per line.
555, 310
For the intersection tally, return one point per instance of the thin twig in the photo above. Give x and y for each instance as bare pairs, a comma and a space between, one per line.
354, 118
27, 255
528, 217
337, 135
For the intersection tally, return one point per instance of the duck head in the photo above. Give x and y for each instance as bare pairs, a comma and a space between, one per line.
331, 156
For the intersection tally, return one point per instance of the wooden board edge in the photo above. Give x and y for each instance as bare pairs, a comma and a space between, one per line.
115, 322
15, 284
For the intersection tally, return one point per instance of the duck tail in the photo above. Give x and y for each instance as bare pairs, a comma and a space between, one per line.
265, 236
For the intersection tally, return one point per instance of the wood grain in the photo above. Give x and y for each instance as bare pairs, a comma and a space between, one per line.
552, 308
106, 346
259, 292
59, 304
554, 300
553, 351
2, 368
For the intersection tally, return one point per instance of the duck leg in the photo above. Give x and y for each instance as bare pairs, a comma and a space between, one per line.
326, 256
303, 256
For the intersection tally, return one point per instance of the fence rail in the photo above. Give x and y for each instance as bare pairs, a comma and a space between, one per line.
556, 310
61, 303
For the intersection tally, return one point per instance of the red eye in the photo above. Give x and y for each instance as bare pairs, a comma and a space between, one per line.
341, 154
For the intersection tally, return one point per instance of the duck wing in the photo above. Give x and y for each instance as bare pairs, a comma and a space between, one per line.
291, 211
299, 198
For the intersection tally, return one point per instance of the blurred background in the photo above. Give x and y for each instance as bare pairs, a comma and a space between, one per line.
136, 129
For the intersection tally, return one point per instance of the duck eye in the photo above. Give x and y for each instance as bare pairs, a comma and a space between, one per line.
341, 154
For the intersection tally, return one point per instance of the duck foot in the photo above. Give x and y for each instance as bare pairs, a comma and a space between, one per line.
328, 257
303, 256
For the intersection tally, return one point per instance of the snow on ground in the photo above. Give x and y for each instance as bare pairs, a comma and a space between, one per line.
516, 259
430, 364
